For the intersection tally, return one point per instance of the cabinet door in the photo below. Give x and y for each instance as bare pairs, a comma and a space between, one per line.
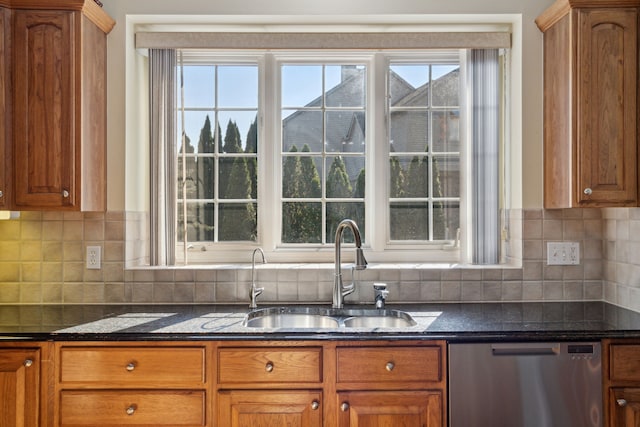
269, 408
43, 109
606, 95
390, 409
19, 388
624, 407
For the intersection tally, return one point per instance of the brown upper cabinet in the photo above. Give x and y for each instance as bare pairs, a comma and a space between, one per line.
590, 103
56, 145
4, 110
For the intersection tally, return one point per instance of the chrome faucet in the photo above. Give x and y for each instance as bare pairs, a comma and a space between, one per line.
254, 292
381, 293
339, 289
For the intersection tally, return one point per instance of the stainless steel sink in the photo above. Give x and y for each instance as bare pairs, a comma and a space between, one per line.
297, 317
397, 319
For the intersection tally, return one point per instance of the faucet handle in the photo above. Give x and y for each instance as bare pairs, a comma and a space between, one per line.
381, 294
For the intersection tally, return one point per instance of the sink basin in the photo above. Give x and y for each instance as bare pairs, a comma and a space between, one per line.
326, 318
392, 321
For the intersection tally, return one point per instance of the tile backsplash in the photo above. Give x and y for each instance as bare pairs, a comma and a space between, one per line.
42, 261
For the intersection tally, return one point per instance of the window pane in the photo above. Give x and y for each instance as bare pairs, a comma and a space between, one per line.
409, 176
446, 131
198, 128
336, 212
200, 222
238, 222
409, 131
404, 80
345, 131
301, 84
301, 222
236, 126
446, 220
409, 221
199, 86
446, 172
345, 85
302, 128
446, 87
238, 86
342, 177
301, 177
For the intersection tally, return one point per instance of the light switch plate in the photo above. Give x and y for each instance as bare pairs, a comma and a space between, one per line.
93, 257
563, 253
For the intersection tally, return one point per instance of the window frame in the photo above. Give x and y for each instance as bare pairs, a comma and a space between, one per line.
378, 246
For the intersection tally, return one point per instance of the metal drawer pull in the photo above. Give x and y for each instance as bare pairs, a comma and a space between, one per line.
389, 366
315, 405
131, 366
344, 406
28, 362
1, 193
269, 367
621, 402
65, 193
588, 191
131, 409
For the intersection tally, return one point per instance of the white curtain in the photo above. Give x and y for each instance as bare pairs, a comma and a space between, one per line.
484, 78
162, 94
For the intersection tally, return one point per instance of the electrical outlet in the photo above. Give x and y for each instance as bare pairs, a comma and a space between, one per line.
563, 253
93, 257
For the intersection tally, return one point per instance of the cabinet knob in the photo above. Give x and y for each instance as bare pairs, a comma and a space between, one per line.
268, 367
588, 191
389, 366
27, 362
1, 193
65, 193
621, 402
344, 407
131, 366
131, 409
315, 405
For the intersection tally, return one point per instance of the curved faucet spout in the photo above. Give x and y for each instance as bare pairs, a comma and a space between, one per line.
339, 289
255, 292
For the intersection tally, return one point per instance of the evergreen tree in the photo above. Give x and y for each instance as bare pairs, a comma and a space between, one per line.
291, 189
396, 175
238, 220
310, 183
309, 221
232, 144
252, 163
358, 193
338, 186
417, 185
204, 218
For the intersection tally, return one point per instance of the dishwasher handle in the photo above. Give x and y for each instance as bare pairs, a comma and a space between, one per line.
526, 349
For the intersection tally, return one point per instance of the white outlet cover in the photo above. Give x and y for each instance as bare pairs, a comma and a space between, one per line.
563, 253
93, 257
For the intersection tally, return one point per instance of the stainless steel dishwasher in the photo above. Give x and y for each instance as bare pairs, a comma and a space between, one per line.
525, 385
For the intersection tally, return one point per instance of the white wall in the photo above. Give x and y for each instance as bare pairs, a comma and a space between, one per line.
126, 125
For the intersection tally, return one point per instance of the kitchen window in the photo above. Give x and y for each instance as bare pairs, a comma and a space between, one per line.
274, 147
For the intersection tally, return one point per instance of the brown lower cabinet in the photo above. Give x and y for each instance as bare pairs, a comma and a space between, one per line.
223, 383
20, 387
621, 368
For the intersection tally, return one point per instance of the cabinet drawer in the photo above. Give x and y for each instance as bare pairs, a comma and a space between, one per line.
272, 365
133, 365
389, 364
148, 408
625, 362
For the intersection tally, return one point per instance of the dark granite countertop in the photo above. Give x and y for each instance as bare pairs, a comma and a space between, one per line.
451, 321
